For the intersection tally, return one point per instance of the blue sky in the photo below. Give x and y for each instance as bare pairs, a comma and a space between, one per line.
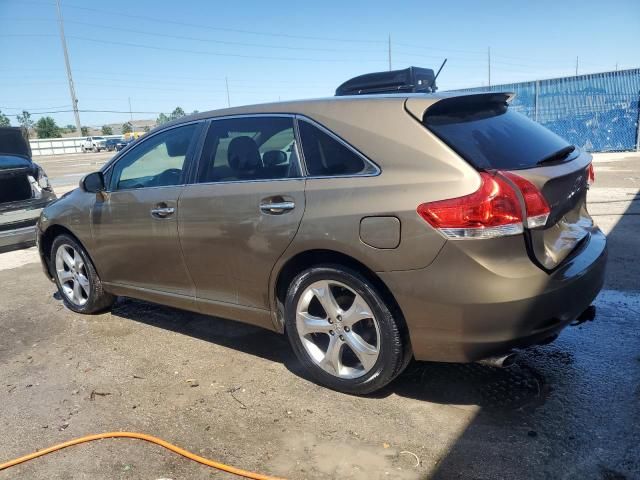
165, 54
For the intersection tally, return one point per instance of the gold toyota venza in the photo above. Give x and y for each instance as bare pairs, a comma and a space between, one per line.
369, 229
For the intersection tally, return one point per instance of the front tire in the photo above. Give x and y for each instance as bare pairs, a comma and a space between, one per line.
342, 331
77, 280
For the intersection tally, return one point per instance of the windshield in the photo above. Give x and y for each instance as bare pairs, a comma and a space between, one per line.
492, 136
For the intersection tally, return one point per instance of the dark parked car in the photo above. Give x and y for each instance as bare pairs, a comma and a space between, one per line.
123, 143
370, 230
24, 191
111, 144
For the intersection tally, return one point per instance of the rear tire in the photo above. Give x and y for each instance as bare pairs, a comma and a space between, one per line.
341, 330
77, 280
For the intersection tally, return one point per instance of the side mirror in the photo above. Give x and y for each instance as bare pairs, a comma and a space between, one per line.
93, 183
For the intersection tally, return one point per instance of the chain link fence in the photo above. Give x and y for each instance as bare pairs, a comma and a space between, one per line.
598, 112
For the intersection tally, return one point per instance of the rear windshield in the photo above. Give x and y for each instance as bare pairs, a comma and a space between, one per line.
491, 136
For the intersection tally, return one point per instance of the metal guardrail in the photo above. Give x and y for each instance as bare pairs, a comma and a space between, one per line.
59, 146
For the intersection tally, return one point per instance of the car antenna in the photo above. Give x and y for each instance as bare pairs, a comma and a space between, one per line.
434, 78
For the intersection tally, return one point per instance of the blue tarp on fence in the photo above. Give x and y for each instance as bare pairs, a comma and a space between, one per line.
598, 112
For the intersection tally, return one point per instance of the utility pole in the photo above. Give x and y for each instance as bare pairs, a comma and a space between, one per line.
389, 52
489, 63
131, 119
576, 66
72, 90
226, 81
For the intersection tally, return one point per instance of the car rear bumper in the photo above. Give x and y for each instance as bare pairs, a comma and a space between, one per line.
467, 305
18, 222
18, 230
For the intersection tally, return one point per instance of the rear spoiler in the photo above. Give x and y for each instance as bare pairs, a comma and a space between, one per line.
440, 105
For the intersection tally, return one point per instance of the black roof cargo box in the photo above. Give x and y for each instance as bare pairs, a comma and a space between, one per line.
412, 79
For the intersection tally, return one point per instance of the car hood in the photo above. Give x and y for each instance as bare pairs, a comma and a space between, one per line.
12, 142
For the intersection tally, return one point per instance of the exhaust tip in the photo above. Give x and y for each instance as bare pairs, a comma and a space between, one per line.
502, 361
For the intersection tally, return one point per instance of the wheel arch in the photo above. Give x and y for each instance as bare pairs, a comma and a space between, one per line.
310, 258
46, 242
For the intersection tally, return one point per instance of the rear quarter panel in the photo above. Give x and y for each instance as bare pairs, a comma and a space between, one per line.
415, 167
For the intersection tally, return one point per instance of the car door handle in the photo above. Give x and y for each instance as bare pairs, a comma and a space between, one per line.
277, 208
162, 212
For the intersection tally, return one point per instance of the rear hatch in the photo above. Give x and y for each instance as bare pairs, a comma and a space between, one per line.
16, 169
16, 176
490, 136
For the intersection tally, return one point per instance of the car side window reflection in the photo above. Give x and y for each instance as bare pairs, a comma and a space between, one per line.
326, 157
156, 162
249, 148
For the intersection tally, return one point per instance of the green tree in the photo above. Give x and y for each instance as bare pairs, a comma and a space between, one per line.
127, 128
84, 131
162, 118
4, 120
46, 127
70, 128
177, 113
107, 130
194, 112
25, 122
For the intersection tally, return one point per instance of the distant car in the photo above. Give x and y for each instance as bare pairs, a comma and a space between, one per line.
111, 144
94, 144
24, 191
123, 143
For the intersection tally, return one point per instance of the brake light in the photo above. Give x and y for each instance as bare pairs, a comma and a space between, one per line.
537, 208
591, 175
491, 211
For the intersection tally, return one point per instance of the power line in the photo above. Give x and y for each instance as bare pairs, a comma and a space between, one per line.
221, 42
85, 111
223, 29
217, 54
198, 52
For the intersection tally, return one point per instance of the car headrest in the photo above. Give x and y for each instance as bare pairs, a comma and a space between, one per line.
273, 158
243, 154
177, 145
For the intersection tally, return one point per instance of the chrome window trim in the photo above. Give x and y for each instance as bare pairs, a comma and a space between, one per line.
298, 144
260, 180
211, 120
119, 156
377, 171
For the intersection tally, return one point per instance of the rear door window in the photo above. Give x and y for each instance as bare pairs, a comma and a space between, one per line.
325, 156
249, 148
491, 136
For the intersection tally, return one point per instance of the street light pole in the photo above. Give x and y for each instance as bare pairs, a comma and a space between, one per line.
72, 90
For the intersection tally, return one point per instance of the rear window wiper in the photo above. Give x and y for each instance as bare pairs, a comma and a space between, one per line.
558, 156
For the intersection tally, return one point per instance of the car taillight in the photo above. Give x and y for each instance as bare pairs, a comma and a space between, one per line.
491, 211
537, 208
591, 175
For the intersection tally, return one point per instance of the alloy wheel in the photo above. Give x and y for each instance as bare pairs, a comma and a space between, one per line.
72, 275
338, 329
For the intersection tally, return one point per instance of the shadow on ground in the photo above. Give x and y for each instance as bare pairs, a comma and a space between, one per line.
568, 410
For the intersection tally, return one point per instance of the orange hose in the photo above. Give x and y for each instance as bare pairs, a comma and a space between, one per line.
140, 436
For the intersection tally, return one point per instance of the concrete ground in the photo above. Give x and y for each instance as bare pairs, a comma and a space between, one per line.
235, 393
